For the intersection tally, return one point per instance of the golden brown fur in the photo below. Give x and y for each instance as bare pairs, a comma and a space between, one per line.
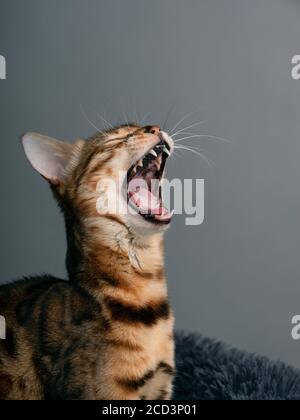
107, 333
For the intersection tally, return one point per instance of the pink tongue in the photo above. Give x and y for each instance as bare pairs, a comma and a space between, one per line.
146, 201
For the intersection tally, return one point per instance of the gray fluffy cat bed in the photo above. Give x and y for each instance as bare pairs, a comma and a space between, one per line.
208, 370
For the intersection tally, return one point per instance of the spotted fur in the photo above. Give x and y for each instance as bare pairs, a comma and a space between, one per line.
107, 333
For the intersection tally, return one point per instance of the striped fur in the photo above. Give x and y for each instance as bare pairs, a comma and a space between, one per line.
107, 333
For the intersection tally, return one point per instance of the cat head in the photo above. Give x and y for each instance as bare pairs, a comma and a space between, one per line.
115, 174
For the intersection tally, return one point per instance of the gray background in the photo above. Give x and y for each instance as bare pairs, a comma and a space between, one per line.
236, 277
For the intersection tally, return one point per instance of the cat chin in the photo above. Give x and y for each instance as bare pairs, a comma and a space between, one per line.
141, 227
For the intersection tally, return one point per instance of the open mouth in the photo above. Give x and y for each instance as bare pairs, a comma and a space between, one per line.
144, 192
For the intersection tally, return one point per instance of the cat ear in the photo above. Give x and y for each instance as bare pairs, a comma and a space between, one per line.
48, 156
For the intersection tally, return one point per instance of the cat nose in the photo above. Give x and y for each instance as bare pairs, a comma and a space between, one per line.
152, 129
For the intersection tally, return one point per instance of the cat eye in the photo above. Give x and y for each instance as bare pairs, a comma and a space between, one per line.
128, 137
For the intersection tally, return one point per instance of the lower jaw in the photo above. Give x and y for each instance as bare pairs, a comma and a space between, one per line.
157, 219
150, 218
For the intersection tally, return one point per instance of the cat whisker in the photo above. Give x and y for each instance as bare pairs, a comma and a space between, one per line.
188, 133
175, 155
188, 137
168, 115
125, 118
184, 118
104, 120
190, 126
196, 152
203, 136
136, 117
124, 113
89, 121
144, 118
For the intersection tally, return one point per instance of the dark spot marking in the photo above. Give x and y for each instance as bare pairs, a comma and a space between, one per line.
25, 309
160, 274
124, 345
3, 303
108, 279
148, 315
145, 274
85, 165
150, 129
163, 394
22, 384
106, 324
135, 384
165, 368
157, 275
81, 316
5, 386
10, 343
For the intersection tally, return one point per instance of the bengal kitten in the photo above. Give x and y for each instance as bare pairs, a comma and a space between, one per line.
107, 333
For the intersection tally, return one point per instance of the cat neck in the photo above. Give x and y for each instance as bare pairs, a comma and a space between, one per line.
107, 255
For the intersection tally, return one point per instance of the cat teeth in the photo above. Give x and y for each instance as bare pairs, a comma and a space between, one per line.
158, 162
153, 153
167, 151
